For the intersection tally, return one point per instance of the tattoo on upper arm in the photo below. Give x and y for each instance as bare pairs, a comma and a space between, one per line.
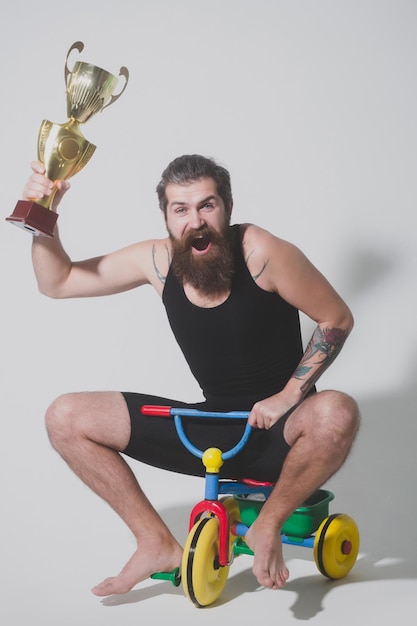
162, 277
322, 349
256, 276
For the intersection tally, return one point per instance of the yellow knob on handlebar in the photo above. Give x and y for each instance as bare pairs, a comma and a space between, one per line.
212, 459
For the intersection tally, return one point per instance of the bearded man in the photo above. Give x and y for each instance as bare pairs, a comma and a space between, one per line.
232, 295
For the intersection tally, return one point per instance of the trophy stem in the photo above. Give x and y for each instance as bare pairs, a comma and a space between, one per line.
46, 201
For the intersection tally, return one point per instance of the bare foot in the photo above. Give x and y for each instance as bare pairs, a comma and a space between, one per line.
268, 564
147, 560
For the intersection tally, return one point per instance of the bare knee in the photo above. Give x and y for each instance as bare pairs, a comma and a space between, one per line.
99, 417
60, 420
330, 418
343, 411
336, 419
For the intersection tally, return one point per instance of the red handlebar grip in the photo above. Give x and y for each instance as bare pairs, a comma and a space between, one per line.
154, 409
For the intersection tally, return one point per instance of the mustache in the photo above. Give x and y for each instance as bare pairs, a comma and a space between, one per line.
196, 237
197, 233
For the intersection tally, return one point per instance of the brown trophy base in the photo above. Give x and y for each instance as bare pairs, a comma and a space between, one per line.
34, 218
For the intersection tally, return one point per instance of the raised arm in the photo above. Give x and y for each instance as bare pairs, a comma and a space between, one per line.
59, 277
283, 268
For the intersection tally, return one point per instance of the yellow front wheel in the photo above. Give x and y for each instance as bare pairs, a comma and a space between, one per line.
202, 577
336, 546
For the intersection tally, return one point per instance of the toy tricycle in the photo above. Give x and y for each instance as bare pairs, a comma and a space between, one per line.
218, 524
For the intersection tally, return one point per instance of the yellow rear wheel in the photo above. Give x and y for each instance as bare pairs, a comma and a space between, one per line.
202, 577
336, 546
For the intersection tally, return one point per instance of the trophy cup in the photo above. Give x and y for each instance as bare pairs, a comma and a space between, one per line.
62, 148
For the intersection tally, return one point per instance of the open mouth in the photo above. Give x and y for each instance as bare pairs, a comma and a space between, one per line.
201, 242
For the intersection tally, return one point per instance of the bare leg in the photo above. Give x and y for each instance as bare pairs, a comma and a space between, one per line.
89, 430
321, 431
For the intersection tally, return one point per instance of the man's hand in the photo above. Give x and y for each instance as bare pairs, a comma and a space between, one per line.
38, 185
267, 412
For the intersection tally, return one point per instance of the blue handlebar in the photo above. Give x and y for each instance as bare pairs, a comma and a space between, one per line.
180, 413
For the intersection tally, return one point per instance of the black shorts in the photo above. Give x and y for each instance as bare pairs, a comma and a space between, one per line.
154, 441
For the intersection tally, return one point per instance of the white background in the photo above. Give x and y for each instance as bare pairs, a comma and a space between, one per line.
311, 106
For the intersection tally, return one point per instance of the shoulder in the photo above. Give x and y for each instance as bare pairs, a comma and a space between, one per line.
141, 252
253, 235
161, 255
144, 262
264, 252
281, 267
155, 256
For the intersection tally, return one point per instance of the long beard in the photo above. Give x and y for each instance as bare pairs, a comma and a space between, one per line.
210, 273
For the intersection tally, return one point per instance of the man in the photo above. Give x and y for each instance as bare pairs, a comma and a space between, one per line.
233, 296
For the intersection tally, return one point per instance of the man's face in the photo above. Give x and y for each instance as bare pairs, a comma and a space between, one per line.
198, 225
192, 206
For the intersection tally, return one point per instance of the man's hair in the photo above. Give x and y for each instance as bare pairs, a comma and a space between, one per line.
189, 168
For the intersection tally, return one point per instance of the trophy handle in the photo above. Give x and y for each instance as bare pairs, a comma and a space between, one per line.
123, 72
78, 45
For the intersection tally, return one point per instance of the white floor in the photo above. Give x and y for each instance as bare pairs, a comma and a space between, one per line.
58, 540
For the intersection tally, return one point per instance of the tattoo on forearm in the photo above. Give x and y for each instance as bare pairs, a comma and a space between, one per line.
322, 349
256, 276
159, 274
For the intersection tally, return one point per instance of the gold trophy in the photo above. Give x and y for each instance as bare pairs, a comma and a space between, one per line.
62, 148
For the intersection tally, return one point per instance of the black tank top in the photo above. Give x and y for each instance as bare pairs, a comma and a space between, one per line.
243, 350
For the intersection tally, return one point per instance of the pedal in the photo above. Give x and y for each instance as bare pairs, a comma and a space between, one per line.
240, 547
174, 577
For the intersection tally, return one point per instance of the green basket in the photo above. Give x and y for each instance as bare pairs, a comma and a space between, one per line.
302, 523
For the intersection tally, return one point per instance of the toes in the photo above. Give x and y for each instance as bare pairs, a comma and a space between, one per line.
109, 587
272, 580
